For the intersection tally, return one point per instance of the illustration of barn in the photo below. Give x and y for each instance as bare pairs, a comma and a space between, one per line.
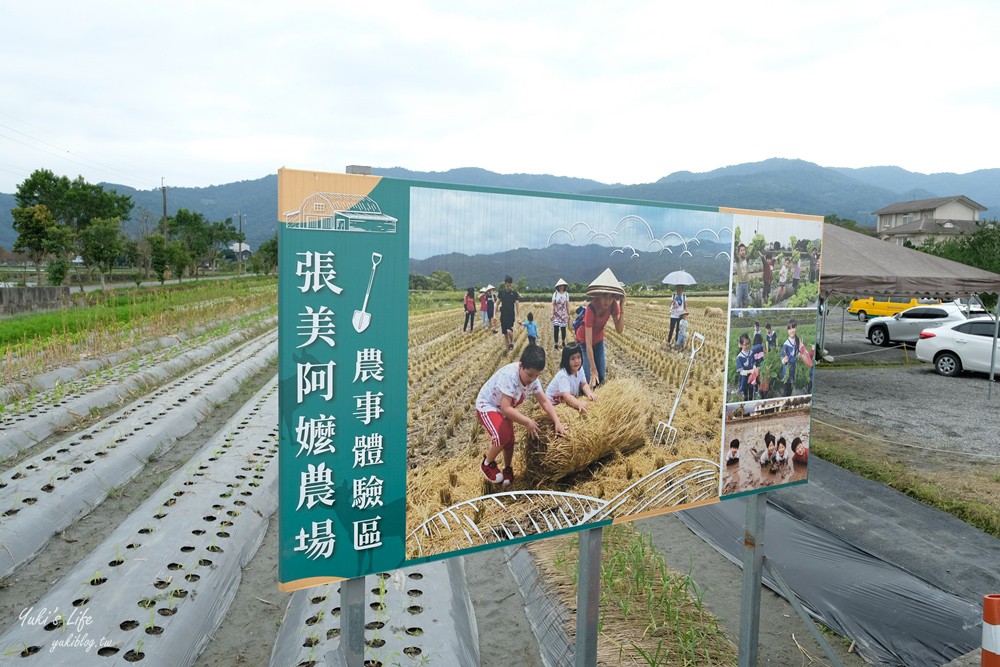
328, 211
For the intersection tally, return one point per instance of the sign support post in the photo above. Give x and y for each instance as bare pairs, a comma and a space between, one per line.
754, 564
588, 596
352, 627
753, 567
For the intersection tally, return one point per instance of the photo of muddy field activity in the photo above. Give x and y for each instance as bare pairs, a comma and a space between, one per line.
767, 444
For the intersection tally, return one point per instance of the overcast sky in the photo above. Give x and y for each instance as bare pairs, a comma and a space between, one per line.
209, 92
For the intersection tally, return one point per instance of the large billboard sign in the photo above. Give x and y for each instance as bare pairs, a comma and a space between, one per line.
463, 367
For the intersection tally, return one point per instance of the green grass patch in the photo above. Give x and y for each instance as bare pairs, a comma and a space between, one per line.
649, 615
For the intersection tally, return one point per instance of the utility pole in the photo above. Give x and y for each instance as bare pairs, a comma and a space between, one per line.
239, 243
163, 220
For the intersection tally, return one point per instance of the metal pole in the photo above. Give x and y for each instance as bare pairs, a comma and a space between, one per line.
993, 353
352, 624
588, 596
753, 567
843, 321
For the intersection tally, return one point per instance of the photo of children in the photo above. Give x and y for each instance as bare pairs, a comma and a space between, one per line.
768, 444
625, 407
772, 363
496, 408
776, 264
631, 425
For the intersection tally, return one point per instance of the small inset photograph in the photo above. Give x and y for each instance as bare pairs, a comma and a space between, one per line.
765, 444
771, 354
776, 263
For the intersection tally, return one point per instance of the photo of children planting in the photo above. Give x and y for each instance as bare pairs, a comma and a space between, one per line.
767, 444
771, 354
776, 263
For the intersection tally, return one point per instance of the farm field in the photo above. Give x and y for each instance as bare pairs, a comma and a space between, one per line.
448, 367
138, 483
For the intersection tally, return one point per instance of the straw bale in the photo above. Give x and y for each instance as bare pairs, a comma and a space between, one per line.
618, 422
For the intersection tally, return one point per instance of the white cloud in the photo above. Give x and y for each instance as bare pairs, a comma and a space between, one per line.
206, 93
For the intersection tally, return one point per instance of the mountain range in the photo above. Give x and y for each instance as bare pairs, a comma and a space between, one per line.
791, 185
579, 264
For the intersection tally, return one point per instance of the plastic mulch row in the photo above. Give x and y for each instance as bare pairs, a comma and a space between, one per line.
155, 590
46, 493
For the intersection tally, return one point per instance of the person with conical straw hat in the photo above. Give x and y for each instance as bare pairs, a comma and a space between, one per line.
607, 301
560, 313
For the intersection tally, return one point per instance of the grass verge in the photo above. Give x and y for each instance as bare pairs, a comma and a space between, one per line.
962, 487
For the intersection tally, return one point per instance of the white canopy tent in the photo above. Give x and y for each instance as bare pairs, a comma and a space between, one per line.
855, 265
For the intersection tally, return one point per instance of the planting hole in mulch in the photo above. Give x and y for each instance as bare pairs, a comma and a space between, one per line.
412, 651
131, 624
375, 643
374, 625
415, 609
174, 566
154, 630
53, 624
147, 603
107, 651
414, 632
167, 611
79, 602
134, 656
116, 562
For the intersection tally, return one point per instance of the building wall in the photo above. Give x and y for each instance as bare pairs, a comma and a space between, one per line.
23, 299
956, 211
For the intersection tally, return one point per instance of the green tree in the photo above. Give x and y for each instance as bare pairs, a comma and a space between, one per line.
419, 282
159, 259
265, 260
442, 280
57, 270
73, 204
179, 258
980, 249
222, 234
102, 243
845, 223
32, 224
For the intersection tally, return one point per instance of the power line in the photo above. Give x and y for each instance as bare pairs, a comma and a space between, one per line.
64, 152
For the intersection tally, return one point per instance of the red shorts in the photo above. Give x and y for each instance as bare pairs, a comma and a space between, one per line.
500, 429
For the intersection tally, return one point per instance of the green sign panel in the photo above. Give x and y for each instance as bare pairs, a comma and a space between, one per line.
437, 396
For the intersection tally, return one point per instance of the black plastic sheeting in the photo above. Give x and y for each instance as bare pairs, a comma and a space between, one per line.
894, 617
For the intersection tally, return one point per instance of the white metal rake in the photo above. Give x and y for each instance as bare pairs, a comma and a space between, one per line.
666, 433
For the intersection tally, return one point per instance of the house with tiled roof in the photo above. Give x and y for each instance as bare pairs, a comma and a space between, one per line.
920, 220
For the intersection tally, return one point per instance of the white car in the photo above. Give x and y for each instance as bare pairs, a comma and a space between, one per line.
960, 346
905, 327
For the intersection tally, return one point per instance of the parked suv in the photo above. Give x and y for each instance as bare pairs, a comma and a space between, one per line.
885, 306
905, 327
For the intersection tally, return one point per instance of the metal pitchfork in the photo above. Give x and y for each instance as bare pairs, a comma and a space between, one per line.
666, 433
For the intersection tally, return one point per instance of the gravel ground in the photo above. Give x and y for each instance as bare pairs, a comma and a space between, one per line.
902, 399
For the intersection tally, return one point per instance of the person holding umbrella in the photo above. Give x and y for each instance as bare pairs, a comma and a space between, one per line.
678, 302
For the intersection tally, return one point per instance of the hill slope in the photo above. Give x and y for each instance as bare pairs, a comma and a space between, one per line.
792, 185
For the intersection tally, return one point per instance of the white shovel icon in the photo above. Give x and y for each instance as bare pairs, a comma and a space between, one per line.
362, 318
